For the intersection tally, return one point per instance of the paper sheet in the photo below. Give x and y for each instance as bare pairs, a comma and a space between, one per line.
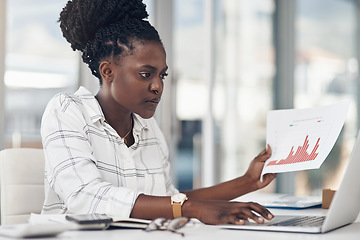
302, 139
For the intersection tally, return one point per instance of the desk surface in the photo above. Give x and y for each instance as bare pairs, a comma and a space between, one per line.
200, 231
196, 230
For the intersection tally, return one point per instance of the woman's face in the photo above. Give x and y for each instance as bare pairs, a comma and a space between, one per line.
137, 83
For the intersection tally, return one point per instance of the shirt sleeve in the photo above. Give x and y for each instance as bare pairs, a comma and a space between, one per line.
71, 169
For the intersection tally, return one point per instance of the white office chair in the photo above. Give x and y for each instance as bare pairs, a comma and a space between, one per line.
22, 184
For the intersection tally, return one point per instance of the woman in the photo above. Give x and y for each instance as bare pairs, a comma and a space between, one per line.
105, 153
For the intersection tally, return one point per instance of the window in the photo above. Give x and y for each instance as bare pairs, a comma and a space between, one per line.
242, 92
38, 64
326, 72
243, 88
190, 89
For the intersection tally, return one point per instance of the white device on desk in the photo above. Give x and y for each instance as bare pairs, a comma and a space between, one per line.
27, 230
344, 209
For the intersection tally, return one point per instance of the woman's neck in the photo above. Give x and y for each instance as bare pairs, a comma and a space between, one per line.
117, 117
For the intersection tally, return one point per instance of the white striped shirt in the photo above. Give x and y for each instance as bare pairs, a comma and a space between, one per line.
89, 169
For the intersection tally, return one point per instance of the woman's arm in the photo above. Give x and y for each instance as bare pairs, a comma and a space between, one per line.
211, 205
249, 182
207, 211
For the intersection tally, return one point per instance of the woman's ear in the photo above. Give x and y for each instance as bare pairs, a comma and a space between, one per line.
106, 71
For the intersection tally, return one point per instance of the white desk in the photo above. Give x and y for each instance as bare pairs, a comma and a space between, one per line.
198, 231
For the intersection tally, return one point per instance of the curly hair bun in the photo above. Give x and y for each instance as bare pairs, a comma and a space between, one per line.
81, 19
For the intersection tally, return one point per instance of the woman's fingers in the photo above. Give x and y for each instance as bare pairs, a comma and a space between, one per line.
234, 219
255, 212
268, 149
222, 212
268, 178
264, 154
264, 212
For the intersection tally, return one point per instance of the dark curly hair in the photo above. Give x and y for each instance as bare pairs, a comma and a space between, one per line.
105, 28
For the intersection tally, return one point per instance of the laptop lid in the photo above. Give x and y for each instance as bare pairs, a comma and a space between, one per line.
345, 206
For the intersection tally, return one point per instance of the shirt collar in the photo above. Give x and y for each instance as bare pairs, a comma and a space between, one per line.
91, 104
139, 124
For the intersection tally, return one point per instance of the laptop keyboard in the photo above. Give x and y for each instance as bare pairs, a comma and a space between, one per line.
303, 221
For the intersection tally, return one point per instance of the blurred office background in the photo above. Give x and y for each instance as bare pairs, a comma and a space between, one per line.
230, 62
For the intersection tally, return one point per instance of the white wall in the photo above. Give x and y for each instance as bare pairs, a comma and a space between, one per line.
2, 72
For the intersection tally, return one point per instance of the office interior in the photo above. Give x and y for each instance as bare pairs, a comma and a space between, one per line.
230, 62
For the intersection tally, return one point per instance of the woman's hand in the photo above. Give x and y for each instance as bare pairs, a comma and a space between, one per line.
254, 171
224, 212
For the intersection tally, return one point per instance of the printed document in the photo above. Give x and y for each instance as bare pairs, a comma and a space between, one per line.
301, 139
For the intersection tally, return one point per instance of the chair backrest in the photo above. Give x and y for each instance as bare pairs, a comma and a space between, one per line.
22, 184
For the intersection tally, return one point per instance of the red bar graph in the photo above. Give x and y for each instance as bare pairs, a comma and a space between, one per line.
301, 154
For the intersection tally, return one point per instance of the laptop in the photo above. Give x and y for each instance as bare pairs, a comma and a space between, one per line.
344, 208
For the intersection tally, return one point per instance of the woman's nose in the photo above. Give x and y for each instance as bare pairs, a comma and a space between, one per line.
156, 86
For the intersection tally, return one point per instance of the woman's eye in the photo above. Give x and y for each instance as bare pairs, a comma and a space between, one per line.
162, 76
145, 75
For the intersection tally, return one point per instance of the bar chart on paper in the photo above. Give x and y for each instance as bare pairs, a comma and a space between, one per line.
301, 154
302, 139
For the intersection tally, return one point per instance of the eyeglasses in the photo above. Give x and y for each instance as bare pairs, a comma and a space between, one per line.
163, 224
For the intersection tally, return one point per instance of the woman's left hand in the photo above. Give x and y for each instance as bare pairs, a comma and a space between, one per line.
256, 166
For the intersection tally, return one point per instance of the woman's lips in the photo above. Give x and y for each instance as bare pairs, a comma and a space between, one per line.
153, 102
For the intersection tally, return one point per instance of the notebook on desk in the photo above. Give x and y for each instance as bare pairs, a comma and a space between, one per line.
286, 201
343, 210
